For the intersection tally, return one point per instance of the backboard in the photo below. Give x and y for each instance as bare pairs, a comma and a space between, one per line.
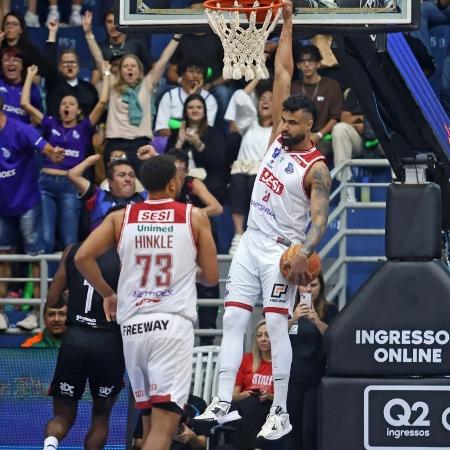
320, 16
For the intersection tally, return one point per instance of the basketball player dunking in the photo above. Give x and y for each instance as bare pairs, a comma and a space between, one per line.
160, 242
293, 180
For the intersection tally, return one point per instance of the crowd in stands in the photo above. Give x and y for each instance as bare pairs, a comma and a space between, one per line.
71, 150
102, 128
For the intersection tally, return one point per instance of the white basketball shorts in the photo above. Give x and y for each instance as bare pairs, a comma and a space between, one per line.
255, 274
158, 358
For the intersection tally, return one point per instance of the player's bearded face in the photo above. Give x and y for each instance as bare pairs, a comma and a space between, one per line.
290, 140
295, 127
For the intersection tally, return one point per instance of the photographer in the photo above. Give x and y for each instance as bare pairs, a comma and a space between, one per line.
310, 318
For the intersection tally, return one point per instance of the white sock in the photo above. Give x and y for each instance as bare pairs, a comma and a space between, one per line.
50, 443
234, 325
53, 8
76, 8
281, 357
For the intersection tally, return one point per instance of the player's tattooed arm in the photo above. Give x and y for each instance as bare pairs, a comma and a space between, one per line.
319, 181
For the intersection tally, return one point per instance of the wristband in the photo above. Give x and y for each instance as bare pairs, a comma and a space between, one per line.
319, 134
89, 36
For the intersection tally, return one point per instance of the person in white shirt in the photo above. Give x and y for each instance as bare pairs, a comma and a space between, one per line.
254, 124
170, 108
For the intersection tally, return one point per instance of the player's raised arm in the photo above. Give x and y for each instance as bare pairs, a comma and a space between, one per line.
207, 253
284, 68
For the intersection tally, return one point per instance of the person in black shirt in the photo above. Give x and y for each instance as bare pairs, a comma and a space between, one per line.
63, 78
204, 145
14, 34
195, 192
91, 351
310, 318
120, 44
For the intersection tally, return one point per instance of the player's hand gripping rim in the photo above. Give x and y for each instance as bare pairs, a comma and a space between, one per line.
110, 307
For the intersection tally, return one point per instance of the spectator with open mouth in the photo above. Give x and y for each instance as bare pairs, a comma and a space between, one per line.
13, 34
11, 84
64, 78
61, 207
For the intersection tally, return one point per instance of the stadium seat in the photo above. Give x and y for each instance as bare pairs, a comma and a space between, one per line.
205, 371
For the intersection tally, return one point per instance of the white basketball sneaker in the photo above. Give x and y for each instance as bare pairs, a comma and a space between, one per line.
277, 424
217, 411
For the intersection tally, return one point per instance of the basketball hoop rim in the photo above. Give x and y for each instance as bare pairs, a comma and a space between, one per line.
212, 4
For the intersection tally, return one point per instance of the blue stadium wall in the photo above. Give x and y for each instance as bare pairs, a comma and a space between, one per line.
25, 407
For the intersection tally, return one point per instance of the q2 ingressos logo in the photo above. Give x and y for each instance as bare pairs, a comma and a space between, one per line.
400, 417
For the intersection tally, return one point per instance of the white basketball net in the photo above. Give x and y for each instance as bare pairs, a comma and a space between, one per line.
243, 47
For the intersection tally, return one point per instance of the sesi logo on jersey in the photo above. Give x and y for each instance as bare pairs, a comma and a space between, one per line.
165, 215
271, 181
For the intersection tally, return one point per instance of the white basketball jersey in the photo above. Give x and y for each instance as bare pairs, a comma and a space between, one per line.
279, 206
158, 256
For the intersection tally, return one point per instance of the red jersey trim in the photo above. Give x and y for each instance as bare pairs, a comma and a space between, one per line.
189, 222
319, 158
306, 157
124, 222
274, 309
143, 405
161, 398
156, 201
239, 305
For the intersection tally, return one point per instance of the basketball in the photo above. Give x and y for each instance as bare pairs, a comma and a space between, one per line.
314, 264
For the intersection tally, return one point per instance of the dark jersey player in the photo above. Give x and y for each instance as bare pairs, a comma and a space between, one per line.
91, 351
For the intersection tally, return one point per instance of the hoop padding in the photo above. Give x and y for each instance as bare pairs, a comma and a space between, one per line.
243, 47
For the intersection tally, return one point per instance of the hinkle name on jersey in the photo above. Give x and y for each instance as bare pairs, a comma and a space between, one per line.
152, 241
140, 328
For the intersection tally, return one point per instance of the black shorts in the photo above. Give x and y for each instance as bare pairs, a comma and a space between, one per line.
89, 355
241, 187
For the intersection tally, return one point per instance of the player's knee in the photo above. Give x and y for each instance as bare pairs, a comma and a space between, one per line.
340, 129
277, 325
